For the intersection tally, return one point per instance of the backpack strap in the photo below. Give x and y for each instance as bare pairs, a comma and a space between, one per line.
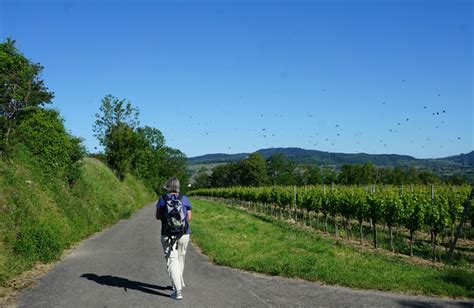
165, 197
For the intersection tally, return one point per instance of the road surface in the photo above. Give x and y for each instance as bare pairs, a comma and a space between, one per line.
123, 266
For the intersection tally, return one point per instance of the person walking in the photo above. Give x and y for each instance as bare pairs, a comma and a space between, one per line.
174, 211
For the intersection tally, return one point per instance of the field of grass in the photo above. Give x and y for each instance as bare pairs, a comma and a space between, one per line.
40, 216
238, 239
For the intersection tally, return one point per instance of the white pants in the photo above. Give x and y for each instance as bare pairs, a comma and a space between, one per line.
175, 259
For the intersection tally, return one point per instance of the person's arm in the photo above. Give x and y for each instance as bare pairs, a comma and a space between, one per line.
158, 212
189, 207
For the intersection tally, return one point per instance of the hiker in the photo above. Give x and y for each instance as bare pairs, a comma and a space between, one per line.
174, 211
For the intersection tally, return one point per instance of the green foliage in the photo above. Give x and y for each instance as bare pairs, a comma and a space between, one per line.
41, 241
281, 170
253, 171
137, 150
43, 133
358, 174
225, 175
378, 205
232, 237
171, 162
20, 86
310, 175
40, 216
114, 112
202, 179
120, 147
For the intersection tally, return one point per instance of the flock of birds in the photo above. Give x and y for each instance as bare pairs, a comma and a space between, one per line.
269, 136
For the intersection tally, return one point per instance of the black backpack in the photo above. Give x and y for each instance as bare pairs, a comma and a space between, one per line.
174, 223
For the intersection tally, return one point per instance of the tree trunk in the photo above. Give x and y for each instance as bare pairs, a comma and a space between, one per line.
361, 233
411, 243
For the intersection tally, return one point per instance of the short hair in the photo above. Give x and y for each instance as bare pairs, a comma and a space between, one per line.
172, 185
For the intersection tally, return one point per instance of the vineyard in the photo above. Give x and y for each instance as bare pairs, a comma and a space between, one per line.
412, 220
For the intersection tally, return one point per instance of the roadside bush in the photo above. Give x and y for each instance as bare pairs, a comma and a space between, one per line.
42, 131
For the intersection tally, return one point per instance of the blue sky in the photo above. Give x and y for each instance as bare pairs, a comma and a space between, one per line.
238, 76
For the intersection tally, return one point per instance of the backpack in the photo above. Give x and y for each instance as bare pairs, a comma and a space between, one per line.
174, 223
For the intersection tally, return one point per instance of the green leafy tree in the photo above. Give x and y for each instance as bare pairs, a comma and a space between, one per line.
173, 163
253, 171
20, 86
428, 177
226, 175
153, 137
120, 146
329, 175
281, 171
147, 156
114, 112
311, 175
202, 179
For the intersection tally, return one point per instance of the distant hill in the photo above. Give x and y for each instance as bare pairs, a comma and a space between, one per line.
463, 159
458, 164
216, 158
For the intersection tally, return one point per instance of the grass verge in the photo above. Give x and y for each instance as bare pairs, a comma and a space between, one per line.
40, 216
235, 238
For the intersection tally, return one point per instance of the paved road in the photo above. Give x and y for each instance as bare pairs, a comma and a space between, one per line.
123, 266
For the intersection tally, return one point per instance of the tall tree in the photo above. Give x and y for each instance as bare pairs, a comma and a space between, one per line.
202, 179
114, 112
120, 148
20, 86
281, 170
253, 171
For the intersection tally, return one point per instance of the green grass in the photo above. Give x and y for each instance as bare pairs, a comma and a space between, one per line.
235, 238
41, 216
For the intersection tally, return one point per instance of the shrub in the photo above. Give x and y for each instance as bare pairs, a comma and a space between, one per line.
42, 131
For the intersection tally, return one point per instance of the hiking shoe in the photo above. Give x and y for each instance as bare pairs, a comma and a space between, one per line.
176, 295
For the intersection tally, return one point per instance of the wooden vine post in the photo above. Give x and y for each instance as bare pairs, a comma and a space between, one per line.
465, 212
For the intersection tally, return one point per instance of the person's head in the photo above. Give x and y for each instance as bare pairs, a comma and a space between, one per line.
172, 185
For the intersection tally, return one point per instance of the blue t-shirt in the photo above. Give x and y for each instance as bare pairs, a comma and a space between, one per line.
186, 207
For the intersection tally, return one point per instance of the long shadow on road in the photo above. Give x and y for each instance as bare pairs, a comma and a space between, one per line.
127, 284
